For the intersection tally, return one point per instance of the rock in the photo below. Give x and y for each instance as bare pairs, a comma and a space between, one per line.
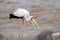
45, 35
3, 37
56, 36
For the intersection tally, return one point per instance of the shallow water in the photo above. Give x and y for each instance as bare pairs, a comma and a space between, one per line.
47, 13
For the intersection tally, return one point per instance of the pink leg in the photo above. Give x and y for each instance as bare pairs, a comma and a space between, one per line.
21, 23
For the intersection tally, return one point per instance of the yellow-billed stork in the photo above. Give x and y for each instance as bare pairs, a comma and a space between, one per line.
23, 14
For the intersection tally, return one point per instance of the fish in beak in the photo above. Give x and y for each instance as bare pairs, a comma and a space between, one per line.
34, 23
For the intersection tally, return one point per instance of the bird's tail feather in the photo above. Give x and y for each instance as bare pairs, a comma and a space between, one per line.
10, 16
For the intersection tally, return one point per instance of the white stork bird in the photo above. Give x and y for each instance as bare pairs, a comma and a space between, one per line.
23, 14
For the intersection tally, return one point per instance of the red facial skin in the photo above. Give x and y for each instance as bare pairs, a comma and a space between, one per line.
32, 18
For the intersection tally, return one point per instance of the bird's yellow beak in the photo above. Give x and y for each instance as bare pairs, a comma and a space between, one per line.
34, 23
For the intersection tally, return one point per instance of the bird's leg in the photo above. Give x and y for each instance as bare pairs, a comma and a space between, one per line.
21, 25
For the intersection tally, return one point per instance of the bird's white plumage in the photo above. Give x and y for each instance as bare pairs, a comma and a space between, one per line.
22, 12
